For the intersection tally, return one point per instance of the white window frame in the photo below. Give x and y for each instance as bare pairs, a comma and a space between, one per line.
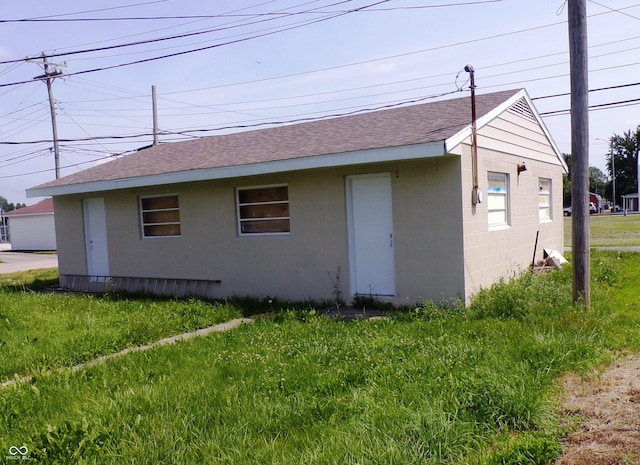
242, 220
144, 224
498, 200
544, 200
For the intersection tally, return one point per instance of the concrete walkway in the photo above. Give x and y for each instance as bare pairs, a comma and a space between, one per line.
13, 262
162, 342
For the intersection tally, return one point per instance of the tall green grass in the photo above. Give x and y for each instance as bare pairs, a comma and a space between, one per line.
431, 385
40, 331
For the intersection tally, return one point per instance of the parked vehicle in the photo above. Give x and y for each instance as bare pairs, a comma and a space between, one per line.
592, 210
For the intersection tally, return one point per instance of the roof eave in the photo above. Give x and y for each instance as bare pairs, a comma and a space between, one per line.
379, 155
22, 215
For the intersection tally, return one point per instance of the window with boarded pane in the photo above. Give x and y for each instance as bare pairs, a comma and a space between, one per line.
160, 216
497, 200
544, 199
263, 210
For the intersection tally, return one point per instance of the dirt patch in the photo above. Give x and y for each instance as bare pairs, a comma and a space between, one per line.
606, 408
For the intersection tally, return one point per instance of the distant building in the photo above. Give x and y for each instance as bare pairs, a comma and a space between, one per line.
596, 199
32, 227
630, 202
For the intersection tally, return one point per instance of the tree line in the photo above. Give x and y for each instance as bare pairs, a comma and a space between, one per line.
7, 207
623, 157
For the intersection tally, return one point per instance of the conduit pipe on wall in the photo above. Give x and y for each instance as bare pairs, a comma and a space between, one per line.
476, 194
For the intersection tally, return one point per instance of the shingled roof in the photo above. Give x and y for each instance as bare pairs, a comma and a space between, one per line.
396, 127
40, 208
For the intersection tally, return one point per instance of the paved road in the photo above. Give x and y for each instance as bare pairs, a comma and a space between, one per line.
12, 262
618, 249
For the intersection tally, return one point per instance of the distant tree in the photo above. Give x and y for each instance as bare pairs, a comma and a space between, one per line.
624, 155
597, 181
566, 181
567, 160
6, 206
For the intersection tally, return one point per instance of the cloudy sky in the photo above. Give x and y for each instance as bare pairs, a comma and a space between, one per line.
228, 65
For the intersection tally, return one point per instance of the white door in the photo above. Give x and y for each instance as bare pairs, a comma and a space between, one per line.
370, 233
95, 234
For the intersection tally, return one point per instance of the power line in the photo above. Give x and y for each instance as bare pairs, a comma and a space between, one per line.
614, 10
297, 120
188, 34
239, 126
91, 11
180, 25
564, 94
264, 34
273, 32
602, 106
233, 15
49, 169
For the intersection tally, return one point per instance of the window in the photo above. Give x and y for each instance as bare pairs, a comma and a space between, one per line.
544, 199
263, 210
497, 201
160, 216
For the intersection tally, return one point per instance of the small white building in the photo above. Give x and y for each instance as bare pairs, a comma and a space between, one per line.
385, 203
33, 227
630, 202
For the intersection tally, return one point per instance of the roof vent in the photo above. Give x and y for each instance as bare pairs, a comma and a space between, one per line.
522, 108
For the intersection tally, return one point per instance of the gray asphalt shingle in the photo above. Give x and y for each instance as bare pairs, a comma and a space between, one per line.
414, 124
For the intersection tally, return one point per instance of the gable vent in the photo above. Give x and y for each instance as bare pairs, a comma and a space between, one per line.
522, 108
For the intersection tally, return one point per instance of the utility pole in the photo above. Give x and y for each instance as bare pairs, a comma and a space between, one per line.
155, 115
578, 64
48, 77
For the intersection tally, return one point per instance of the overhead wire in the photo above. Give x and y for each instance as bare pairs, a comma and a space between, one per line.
239, 126
48, 170
97, 10
302, 73
302, 96
227, 15
255, 36
621, 102
174, 37
147, 32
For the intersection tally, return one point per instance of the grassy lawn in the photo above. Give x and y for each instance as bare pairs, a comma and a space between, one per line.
434, 386
41, 331
609, 230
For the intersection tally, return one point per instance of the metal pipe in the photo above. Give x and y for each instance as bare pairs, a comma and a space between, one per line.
475, 198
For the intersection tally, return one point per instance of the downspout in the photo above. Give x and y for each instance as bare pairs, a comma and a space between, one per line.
476, 194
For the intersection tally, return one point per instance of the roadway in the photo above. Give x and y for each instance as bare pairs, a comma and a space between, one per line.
13, 262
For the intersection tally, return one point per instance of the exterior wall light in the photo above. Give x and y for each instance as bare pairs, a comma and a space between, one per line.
521, 168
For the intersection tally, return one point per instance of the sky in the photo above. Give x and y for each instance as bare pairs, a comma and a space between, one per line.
230, 65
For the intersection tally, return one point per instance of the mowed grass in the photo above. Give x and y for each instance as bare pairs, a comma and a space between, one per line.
609, 230
430, 385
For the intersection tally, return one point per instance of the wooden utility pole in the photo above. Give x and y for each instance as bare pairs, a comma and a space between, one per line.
155, 115
48, 77
578, 63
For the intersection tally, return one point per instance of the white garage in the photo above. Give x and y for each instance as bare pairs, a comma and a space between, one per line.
33, 227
